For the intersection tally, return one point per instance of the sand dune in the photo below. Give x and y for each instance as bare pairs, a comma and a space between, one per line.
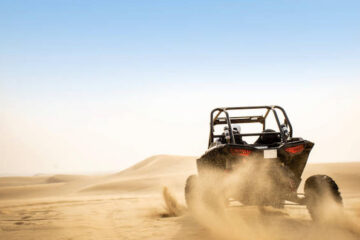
21, 181
148, 176
129, 205
160, 165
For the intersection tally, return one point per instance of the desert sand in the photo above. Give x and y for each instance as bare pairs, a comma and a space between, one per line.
133, 204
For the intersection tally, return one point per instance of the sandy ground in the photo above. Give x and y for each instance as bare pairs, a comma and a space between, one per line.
130, 205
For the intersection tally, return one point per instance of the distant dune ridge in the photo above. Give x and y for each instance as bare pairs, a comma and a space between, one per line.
149, 176
161, 165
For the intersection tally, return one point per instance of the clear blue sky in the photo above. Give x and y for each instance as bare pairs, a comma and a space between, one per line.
63, 62
81, 41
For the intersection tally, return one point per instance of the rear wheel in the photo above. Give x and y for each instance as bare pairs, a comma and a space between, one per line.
322, 196
206, 193
190, 187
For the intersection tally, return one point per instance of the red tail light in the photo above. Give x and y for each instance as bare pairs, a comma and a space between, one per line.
240, 152
295, 149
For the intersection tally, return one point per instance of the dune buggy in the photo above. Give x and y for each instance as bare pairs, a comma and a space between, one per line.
276, 160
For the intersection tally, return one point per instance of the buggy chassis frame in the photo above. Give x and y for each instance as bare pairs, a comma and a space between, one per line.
248, 119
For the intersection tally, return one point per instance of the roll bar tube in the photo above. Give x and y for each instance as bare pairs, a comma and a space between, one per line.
228, 120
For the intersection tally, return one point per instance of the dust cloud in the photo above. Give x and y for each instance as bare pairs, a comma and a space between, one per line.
234, 221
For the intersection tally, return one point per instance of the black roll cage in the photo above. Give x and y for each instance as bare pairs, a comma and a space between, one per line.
247, 119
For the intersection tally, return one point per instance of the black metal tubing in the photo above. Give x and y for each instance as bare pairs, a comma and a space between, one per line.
287, 119
262, 120
232, 139
282, 134
250, 134
245, 119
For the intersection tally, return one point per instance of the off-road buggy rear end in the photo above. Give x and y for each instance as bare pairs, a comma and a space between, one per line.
269, 168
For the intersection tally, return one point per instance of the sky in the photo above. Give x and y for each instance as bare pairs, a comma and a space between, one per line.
96, 86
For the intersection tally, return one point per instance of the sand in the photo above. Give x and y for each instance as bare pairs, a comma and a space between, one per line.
130, 205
